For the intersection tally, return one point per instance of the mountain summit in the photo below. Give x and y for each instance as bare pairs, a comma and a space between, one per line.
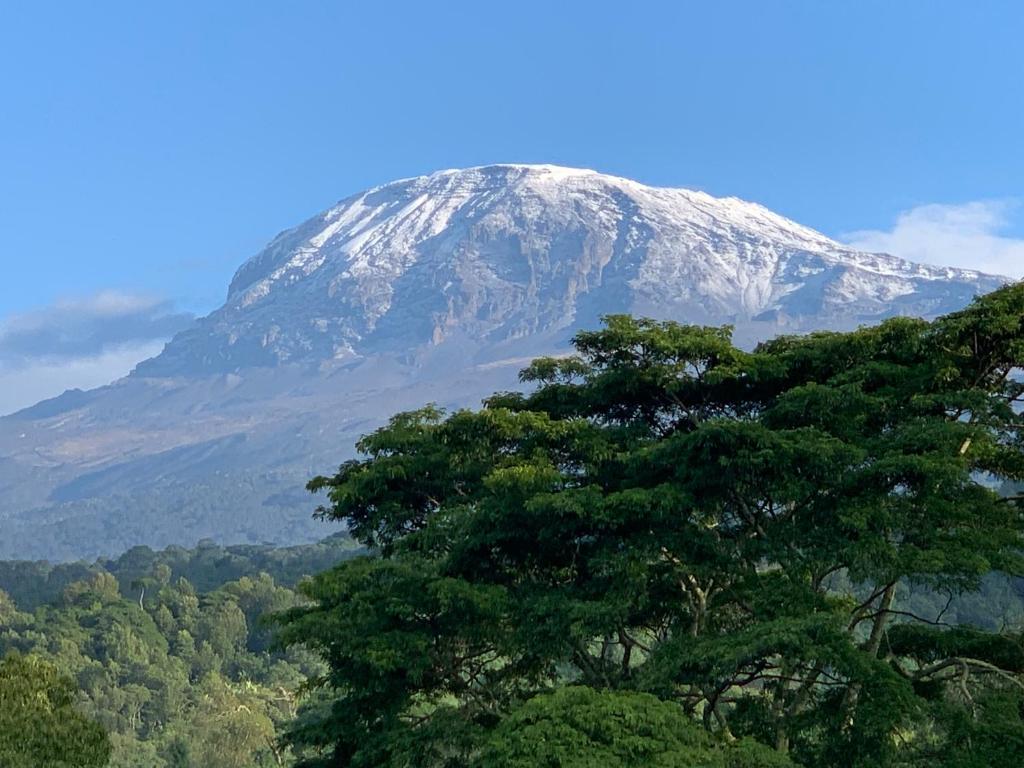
437, 288
491, 255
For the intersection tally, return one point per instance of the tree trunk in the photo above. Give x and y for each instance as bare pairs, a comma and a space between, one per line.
878, 626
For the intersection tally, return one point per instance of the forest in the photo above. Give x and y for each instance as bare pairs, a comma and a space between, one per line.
666, 551
164, 651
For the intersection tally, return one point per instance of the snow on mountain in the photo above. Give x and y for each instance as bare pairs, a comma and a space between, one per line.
492, 254
437, 288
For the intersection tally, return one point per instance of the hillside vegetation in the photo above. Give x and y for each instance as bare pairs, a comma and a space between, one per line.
164, 651
669, 552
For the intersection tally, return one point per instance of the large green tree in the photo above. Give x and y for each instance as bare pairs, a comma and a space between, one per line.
731, 532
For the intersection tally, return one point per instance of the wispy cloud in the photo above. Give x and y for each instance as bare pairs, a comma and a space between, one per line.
970, 235
82, 343
77, 328
28, 384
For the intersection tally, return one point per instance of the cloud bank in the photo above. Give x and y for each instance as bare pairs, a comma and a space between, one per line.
967, 235
80, 343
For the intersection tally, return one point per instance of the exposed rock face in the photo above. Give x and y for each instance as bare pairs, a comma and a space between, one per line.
437, 288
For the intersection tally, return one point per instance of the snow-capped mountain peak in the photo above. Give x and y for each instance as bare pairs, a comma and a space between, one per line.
498, 253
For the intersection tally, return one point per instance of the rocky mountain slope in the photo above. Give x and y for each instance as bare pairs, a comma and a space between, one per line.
436, 288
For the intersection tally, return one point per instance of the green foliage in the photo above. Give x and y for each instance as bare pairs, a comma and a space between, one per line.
577, 727
179, 677
39, 725
741, 535
987, 734
206, 567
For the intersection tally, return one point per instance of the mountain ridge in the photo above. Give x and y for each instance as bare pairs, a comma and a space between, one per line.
437, 289
503, 251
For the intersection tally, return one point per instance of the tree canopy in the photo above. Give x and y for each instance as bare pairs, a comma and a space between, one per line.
39, 726
159, 659
667, 526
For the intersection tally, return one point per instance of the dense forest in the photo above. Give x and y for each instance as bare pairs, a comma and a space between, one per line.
166, 651
668, 552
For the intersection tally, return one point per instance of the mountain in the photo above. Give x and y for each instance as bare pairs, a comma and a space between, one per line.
437, 288
487, 256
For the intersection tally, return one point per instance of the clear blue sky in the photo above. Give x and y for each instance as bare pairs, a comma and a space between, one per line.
149, 148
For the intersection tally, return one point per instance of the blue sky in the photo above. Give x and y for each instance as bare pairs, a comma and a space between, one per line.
147, 149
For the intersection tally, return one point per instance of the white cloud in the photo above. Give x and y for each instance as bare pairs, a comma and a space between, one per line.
967, 235
110, 304
70, 329
80, 343
27, 384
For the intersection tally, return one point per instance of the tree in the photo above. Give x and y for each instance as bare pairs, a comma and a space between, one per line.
39, 725
667, 513
8, 610
577, 727
229, 729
